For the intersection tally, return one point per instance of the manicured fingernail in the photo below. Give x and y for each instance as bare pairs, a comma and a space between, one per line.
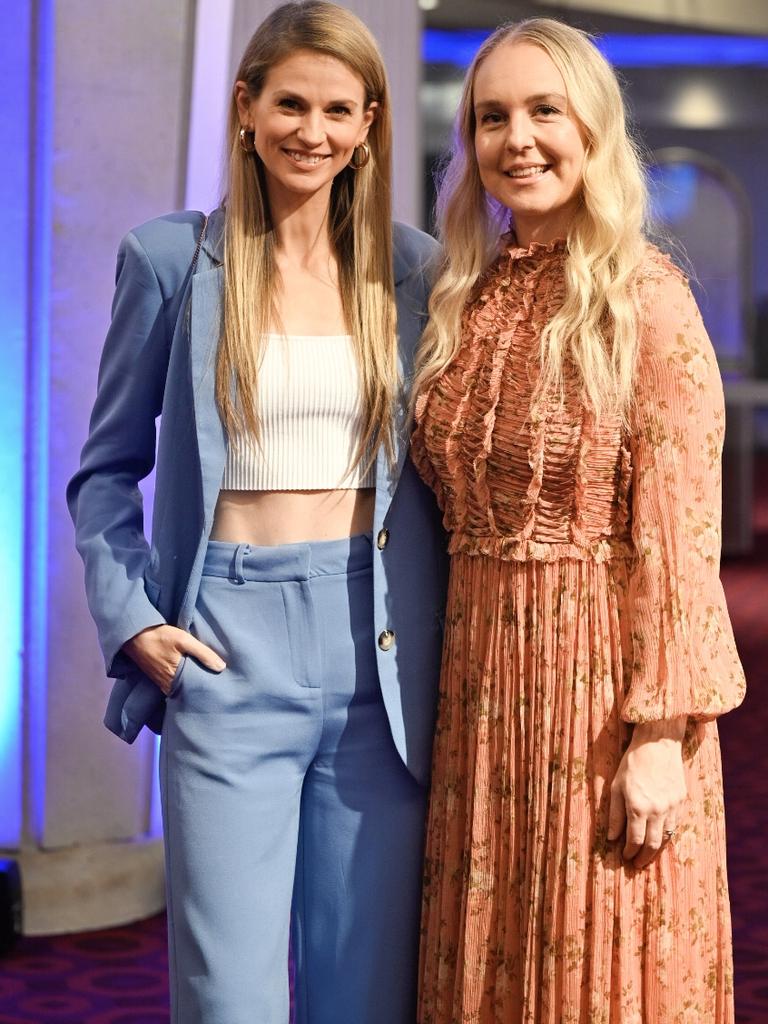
220, 665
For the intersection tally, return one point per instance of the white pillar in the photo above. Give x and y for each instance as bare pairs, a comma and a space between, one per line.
209, 104
117, 113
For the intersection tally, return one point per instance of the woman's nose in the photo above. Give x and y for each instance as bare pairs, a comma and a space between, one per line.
310, 131
519, 133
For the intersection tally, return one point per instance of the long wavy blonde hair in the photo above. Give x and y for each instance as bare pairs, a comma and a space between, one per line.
360, 223
597, 326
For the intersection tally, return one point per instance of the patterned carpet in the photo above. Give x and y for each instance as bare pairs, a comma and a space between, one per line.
119, 976
110, 977
745, 769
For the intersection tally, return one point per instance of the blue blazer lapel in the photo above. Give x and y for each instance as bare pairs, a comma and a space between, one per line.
204, 327
386, 474
204, 330
410, 323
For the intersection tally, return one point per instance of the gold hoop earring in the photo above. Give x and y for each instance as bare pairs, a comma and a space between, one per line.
357, 160
247, 146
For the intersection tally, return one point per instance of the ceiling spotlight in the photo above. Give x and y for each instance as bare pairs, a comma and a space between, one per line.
699, 105
429, 5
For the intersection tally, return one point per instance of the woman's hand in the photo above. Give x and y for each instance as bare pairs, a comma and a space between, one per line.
648, 789
158, 652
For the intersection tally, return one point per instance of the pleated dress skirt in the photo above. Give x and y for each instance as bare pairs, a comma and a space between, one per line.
530, 914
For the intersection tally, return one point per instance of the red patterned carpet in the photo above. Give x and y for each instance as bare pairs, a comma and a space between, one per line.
110, 977
745, 768
119, 976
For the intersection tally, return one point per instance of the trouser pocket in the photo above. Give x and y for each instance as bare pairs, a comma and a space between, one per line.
176, 681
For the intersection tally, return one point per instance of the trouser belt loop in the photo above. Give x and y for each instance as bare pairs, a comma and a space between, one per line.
236, 571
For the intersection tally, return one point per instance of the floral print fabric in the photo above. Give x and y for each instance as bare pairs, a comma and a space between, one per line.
584, 596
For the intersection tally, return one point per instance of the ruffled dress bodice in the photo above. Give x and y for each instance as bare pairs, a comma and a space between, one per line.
515, 478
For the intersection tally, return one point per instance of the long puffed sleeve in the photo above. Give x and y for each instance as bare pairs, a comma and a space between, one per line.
684, 659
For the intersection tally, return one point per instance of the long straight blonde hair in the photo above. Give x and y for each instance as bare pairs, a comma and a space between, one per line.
360, 226
596, 328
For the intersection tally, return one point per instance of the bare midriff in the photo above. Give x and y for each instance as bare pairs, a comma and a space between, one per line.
268, 518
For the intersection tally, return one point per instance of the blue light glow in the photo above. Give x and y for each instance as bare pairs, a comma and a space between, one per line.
442, 47
155, 825
445, 47
37, 418
672, 191
15, 60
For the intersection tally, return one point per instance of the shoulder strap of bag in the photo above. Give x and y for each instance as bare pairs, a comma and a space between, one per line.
185, 309
200, 239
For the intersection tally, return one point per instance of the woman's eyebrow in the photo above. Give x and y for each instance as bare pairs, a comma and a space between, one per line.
555, 97
551, 97
287, 94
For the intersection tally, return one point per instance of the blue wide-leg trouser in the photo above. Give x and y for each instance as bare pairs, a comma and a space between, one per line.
287, 808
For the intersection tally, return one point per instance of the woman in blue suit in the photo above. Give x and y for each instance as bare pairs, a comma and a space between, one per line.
283, 627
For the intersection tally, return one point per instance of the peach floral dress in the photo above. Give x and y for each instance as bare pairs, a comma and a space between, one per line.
584, 596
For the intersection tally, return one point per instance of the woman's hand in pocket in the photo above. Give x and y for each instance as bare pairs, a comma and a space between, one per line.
158, 652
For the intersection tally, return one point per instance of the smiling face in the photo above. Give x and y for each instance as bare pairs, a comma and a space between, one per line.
307, 120
530, 149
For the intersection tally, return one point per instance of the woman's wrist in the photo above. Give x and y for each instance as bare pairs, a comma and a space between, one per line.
664, 729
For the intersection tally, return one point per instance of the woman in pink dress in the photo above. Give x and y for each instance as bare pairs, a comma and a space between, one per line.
570, 419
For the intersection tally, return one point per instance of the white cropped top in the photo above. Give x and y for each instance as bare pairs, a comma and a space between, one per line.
310, 413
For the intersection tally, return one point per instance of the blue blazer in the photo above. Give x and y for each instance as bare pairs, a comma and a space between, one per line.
160, 356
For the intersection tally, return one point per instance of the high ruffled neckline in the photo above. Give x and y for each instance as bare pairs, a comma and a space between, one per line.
515, 251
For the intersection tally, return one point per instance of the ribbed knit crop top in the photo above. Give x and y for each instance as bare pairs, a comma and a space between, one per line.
310, 414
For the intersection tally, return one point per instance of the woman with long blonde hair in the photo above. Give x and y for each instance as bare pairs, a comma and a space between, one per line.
282, 629
570, 420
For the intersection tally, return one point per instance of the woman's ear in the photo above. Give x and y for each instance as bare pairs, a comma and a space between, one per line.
243, 99
368, 118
